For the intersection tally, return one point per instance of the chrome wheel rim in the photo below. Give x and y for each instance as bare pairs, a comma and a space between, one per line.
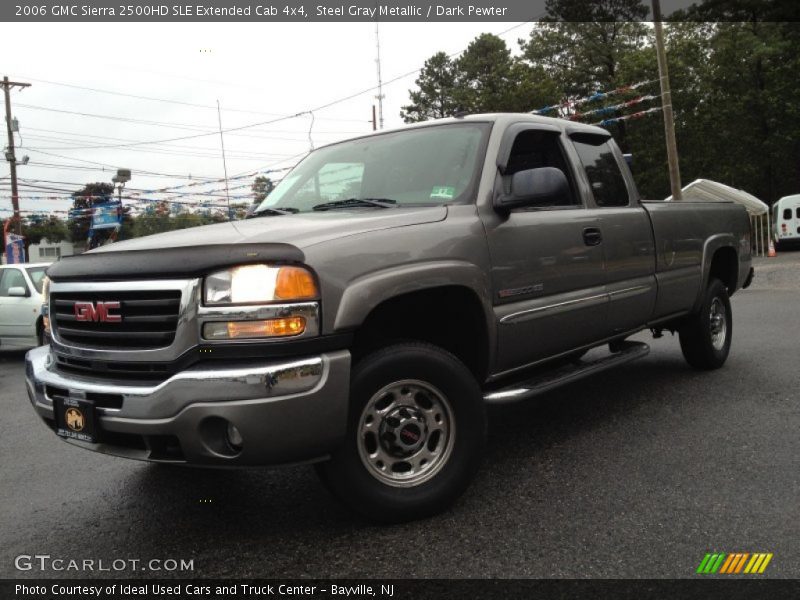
406, 433
718, 324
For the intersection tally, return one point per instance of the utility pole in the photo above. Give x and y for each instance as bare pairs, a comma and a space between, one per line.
224, 163
10, 155
380, 95
374, 124
666, 106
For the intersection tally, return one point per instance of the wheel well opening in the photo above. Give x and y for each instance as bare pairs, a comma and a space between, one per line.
450, 317
724, 266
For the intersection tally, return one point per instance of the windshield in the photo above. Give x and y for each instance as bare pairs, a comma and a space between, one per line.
426, 166
37, 277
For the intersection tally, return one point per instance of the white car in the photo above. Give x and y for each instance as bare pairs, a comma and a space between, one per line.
21, 305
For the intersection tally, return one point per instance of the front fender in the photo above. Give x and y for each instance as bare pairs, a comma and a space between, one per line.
368, 291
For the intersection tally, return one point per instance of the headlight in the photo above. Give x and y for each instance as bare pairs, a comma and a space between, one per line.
46, 289
254, 284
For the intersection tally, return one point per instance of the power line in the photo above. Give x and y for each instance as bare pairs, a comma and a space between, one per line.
285, 117
60, 166
301, 135
171, 101
258, 156
180, 126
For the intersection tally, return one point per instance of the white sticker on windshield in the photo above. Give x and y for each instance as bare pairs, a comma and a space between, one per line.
443, 192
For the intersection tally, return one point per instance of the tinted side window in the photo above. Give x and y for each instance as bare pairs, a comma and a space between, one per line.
11, 278
534, 149
787, 214
797, 212
608, 185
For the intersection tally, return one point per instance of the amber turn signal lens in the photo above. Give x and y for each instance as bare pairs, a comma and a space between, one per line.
254, 329
46, 323
294, 283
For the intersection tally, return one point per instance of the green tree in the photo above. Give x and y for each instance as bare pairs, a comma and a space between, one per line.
49, 228
81, 217
262, 187
435, 96
583, 48
485, 76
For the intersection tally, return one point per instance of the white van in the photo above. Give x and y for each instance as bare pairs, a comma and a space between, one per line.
786, 220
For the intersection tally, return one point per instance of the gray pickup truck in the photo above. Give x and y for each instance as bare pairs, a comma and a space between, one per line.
387, 290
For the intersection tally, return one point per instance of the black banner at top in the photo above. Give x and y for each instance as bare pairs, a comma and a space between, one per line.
382, 10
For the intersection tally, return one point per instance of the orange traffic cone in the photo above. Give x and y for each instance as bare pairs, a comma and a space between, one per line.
771, 251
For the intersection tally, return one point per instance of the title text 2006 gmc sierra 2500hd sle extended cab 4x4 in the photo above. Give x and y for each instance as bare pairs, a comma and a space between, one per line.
390, 287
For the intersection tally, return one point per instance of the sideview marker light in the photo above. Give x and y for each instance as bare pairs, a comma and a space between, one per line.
230, 330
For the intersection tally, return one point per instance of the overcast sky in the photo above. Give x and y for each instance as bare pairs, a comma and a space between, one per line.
258, 72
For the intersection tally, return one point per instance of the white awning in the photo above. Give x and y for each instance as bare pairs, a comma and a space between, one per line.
712, 191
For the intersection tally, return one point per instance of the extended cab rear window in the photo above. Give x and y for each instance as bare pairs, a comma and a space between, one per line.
602, 169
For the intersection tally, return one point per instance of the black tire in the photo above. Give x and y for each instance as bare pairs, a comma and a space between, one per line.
705, 339
428, 390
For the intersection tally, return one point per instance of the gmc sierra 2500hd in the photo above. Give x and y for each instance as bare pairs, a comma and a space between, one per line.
388, 289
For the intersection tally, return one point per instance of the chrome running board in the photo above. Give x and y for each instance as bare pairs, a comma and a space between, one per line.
550, 380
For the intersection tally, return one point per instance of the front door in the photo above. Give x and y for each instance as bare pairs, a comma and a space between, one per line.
547, 262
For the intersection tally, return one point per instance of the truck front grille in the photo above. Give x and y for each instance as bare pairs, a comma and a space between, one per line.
148, 319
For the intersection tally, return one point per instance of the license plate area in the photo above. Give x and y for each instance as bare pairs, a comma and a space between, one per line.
75, 419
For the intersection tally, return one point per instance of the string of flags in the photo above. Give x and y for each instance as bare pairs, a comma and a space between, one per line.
598, 95
607, 110
636, 115
206, 182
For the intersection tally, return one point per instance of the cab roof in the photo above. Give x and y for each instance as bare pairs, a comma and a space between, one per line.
502, 119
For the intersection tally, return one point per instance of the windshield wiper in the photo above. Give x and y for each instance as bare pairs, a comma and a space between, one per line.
353, 202
269, 211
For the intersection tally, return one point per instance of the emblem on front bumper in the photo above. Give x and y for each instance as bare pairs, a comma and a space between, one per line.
97, 311
74, 419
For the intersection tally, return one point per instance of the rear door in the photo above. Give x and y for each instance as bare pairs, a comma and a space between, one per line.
628, 246
547, 261
788, 219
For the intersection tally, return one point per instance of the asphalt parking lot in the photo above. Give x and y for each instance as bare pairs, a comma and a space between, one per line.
634, 473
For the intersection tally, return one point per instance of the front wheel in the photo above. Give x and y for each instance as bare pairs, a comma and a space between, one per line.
706, 337
415, 436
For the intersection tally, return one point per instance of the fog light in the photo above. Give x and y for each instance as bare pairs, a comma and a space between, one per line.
227, 330
234, 437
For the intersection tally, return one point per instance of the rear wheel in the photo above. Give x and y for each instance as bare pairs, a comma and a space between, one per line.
706, 337
415, 436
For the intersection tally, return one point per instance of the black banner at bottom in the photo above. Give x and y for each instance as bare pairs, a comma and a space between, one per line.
397, 589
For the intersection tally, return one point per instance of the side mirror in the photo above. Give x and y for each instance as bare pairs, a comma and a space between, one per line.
18, 291
545, 186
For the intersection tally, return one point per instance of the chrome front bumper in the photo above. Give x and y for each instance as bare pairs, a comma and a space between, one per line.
286, 411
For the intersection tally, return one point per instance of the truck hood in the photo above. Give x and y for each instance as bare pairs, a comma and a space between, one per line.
301, 230
196, 251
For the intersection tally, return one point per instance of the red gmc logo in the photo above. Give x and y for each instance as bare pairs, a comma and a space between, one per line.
99, 311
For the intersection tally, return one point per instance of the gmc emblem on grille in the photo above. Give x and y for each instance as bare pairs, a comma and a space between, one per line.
98, 311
